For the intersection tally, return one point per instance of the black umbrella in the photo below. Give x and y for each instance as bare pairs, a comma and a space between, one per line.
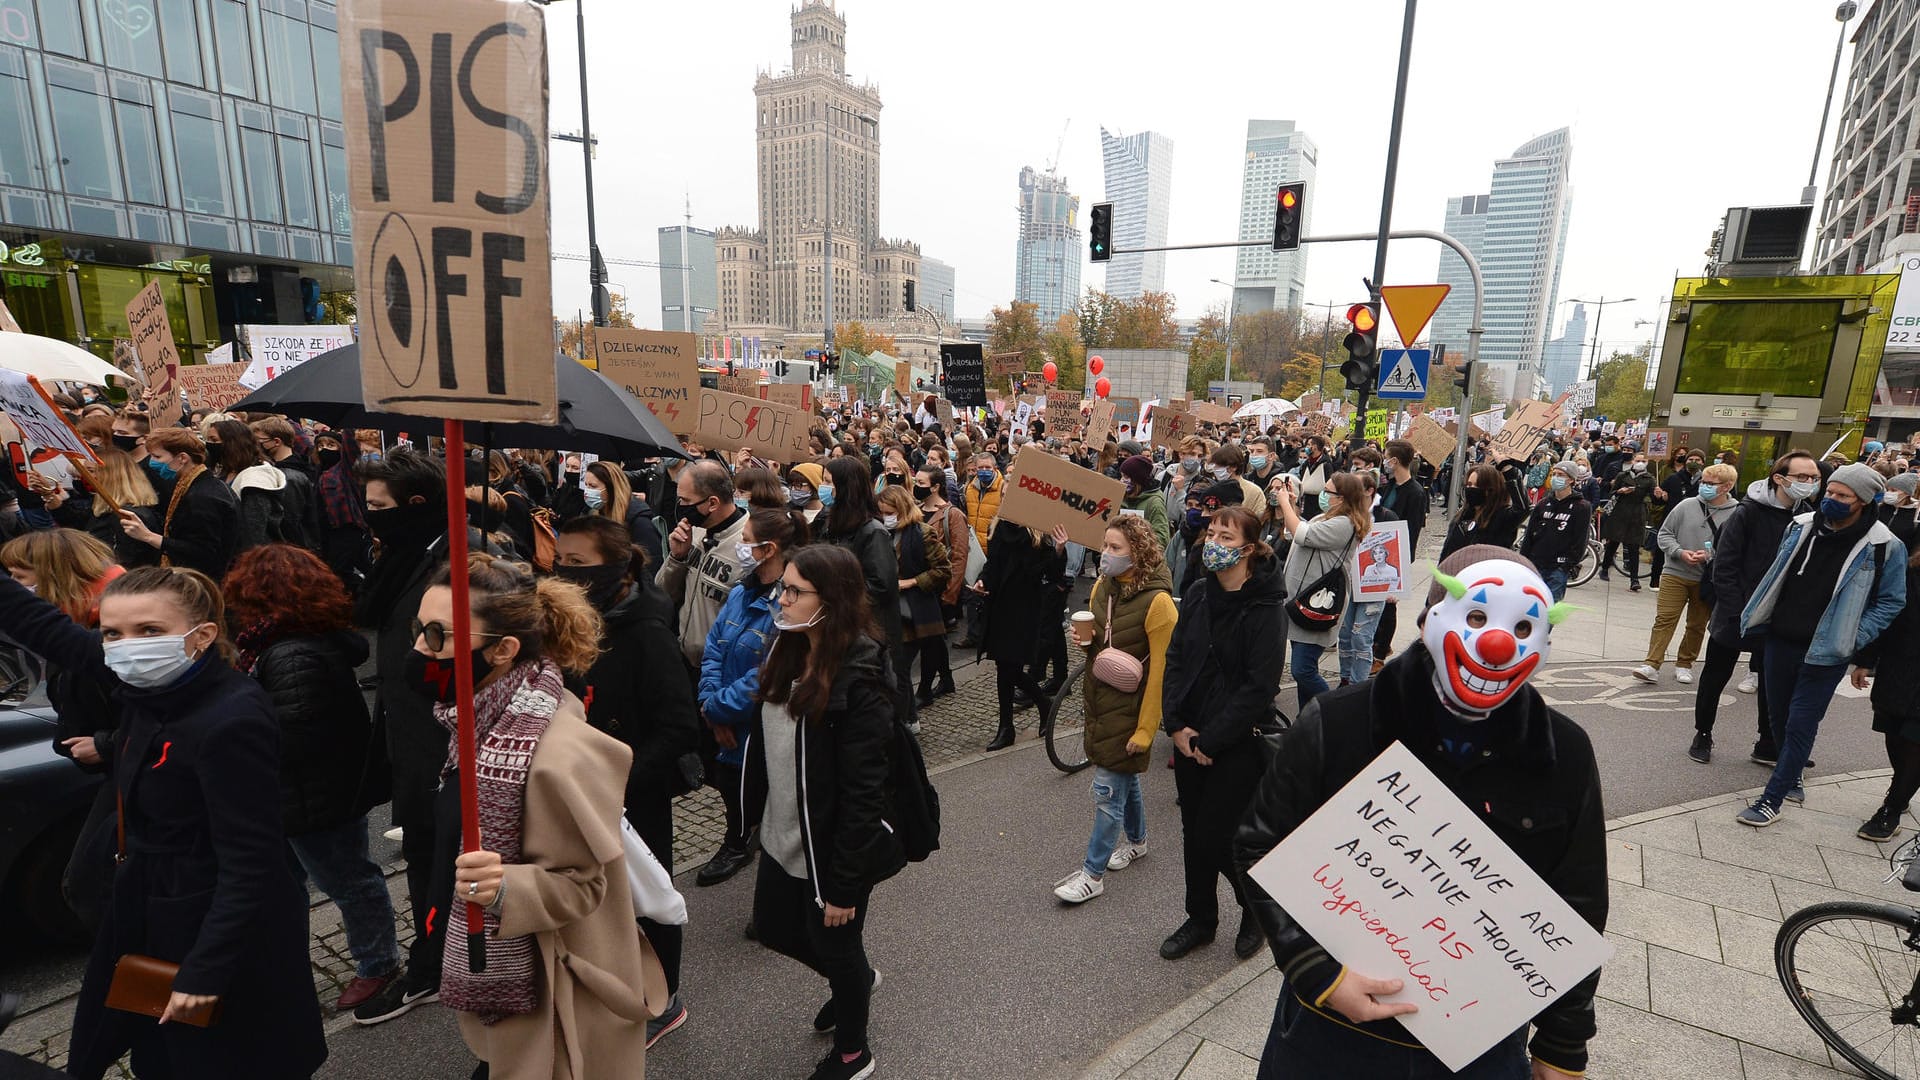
596, 415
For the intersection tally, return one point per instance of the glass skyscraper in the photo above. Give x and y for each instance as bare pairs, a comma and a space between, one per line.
1265, 279
1466, 222
1139, 176
196, 142
1047, 260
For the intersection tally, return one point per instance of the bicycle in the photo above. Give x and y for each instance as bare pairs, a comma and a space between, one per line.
1588, 565
1065, 747
1851, 968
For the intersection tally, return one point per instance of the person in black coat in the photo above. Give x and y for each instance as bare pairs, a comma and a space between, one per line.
291, 620
1489, 515
1024, 569
1892, 663
637, 691
1222, 672
205, 883
1558, 527
200, 519
853, 522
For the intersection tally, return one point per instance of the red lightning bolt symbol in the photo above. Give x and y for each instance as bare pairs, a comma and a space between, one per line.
673, 411
753, 419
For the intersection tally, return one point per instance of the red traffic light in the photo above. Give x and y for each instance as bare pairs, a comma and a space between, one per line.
1288, 199
1361, 316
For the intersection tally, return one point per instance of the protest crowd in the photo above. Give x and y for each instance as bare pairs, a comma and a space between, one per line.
247, 625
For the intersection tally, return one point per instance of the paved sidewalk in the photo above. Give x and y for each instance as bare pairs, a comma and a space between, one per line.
1691, 990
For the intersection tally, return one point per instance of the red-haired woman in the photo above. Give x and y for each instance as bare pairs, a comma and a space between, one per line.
292, 623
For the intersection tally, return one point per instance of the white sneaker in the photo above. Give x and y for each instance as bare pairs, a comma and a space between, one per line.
1683, 675
1751, 683
1647, 673
1078, 888
1124, 855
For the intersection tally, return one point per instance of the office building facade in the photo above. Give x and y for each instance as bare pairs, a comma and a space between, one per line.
1047, 257
1264, 279
197, 144
1466, 221
1139, 184
936, 288
689, 278
1564, 355
1871, 208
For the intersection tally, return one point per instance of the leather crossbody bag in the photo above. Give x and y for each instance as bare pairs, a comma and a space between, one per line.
144, 984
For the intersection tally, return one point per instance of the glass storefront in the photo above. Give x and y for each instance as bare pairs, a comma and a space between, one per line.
53, 293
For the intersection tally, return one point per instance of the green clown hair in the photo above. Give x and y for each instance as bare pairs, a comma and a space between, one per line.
1454, 586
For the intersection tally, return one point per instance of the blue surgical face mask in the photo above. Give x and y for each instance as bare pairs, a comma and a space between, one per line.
742, 501
1216, 556
1833, 509
1709, 492
1257, 462
826, 496
984, 477
166, 472
596, 497
1558, 481
1326, 500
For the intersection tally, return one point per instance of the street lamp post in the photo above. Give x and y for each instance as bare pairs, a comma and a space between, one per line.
1841, 15
596, 266
1593, 358
1233, 301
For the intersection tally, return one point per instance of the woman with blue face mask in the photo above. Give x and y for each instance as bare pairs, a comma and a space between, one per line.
205, 883
200, 516
606, 492
1321, 545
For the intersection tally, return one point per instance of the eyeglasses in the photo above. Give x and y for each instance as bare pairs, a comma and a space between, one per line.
790, 593
436, 634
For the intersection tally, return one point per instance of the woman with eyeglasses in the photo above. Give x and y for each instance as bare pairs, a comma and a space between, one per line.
816, 777
569, 983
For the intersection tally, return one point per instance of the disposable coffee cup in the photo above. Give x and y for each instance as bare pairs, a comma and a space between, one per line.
1083, 626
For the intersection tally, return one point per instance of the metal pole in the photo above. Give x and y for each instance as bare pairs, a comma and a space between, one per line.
1358, 437
1232, 302
596, 268
1843, 13
1593, 354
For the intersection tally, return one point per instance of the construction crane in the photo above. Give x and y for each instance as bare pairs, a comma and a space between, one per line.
1053, 167
571, 257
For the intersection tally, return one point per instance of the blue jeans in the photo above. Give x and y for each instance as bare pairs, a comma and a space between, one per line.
1117, 806
1304, 1044
1307, 681
1797, 697
337, 860
1556, 583
1357, 628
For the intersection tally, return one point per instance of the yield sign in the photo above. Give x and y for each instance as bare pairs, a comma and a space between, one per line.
1412, 306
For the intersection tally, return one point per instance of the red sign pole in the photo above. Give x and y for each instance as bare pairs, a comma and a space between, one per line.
456, 438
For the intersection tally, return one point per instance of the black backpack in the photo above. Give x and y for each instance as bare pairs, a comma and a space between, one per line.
913, 805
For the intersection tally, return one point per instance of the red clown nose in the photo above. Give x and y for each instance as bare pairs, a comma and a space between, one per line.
1496, 647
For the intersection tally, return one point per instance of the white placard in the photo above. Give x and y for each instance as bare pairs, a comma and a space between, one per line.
1582, 395
40, 423
1397, 879
277, 350
221, 355
1380, 566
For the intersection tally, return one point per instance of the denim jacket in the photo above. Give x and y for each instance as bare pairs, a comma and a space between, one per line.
1858, 611
730, 667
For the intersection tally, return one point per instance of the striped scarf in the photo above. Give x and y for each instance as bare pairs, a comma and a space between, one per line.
510, 716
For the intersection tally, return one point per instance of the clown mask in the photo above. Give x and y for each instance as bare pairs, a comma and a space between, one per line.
1489, 634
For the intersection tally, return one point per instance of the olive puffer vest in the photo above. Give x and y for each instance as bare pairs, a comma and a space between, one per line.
1113, 716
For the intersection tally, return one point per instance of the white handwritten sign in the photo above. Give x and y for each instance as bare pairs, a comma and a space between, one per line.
277, 350
39, 420
1396, 878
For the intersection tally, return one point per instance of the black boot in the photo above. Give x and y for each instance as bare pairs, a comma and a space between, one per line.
1191, 935
733, 857
1002, 738
924, 698
1250, 938
945, 685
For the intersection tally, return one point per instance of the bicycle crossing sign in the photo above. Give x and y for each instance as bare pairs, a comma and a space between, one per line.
1403, 373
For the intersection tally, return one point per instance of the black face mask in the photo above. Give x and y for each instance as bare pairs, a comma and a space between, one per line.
327, 458
896, 480
693, 515
1474, 496
413, 525
921, 493
432, 677
129, 443
604, 584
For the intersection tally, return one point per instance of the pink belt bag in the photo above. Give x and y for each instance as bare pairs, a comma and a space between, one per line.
1117, 667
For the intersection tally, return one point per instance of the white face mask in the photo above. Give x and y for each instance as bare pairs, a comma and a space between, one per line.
149, 662
890, 520
782, 624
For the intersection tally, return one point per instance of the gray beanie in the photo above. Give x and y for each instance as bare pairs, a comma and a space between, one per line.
1905, 483
1864, 481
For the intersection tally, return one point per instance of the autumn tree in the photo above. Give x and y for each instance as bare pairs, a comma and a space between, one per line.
577, 338
858, 337
1207, 353
1263, 343
1622, 392
1108, 322
1062, 345
1016, 328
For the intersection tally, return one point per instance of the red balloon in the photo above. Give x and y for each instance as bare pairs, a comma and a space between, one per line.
1095, 364
1049, 372
1101, 386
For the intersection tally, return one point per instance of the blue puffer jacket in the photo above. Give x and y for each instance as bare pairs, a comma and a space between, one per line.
1859, 610
730, 667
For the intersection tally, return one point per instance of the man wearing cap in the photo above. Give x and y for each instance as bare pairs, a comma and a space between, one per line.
1558, 526
1827, 595
1143, 496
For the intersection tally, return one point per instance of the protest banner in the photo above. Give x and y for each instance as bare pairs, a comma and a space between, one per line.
152, 335
40, 421
1376, 425
1430, 440
1380, 566
451, 249
1524, 431
1396, 878
215, 387
126, 358
1126, 412
1319, 424
1170, 425
743, 385
1582, 395
1100, 424
1206, 412
1022, 417
8, 325
1310, 401
220, 355
792, 395
1043, 491
1063, 413
943, 412
902, 378
965, 367
1659, 443
276, 350
660, 367
734, 422
1006, 365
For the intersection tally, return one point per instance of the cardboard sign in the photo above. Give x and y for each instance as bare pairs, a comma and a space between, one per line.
7, 323
1043, 491
1063, 413
744, 385
1659, 443
1490, 420
1524, 431
1100, 425
277, 350
40, 421
1319, 424
126, 358
943, 412
1007, 364
1396, 878
1380, 566
446, 107
1170, 425
792, 395
733, 422
159, 358
215, 387
1206, 412
965, 366
661, 368
1430, 440
221, 355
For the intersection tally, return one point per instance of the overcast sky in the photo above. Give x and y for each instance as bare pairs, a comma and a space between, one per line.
1678, 109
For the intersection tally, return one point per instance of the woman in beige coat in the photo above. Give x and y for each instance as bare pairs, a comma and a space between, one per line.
569, 981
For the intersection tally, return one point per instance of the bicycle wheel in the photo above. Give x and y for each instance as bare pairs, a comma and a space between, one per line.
1065, 748
1852, 969
1589, 565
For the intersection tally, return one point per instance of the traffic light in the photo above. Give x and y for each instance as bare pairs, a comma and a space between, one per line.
1362, 345
1290, 203
1463, 379
906, 294
1100, 231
